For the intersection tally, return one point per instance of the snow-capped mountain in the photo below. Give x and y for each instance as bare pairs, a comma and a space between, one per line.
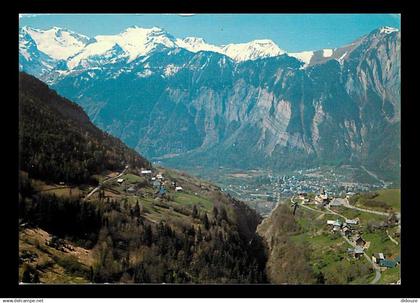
58, 43
194, 44
35, 61
135, 42
252, 50
169, 97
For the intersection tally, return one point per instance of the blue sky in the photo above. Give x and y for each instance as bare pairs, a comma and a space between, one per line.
291, 32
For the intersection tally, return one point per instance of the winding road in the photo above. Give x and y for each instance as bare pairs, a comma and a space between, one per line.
100, 185
366, 210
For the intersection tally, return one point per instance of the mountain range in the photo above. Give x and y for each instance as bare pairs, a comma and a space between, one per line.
186, 102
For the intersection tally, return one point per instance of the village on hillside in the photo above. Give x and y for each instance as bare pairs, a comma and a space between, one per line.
352, 229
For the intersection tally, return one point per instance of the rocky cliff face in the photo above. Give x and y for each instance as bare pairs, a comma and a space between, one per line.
205, 108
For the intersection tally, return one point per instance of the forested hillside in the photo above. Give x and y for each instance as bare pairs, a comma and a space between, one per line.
59, 143
198, 235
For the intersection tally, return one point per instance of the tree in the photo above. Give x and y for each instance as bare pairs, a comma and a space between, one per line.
194, 213
215, 212
26, 276
35, 278
206, 221
136, 211
148, 235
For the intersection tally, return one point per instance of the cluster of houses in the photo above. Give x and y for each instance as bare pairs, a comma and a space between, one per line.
322, 199
158, 181
346, 228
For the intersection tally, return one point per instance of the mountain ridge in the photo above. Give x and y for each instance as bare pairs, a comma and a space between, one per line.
279, 111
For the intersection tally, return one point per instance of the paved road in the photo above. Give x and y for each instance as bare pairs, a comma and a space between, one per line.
105, 181
367, 210
334, 213
391, 238
374, 265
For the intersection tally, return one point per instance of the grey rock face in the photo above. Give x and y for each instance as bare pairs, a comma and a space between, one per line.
206, 109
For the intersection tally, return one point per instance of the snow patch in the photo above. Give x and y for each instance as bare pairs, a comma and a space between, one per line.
387, 30
144, 74
171, 70
327, 52
341, 59
305, 56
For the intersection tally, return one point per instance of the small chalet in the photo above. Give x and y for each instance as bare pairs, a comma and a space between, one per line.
352, 221
322, 198
120, 180
387, 263
359, 241
346, 231
334, 223
376, 258
179, 188
146, 172
358, 251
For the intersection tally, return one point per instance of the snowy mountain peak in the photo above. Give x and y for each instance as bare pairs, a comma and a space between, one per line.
253, 50
387, 30
58, 43
195, 44
194, 40
137, 41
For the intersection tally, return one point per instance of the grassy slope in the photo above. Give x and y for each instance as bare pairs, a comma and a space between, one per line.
328, 251
382, 200
176, 210
54, 265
